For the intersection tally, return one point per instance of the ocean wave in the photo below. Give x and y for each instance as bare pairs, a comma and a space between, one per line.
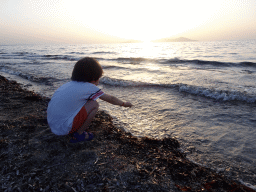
219, 95
213, 63
104, 52
45, 80
60, 57
118, 82
79, 53
134, 60
113, 67
21, 53
129, 83
198, 62
248, 64
138, 60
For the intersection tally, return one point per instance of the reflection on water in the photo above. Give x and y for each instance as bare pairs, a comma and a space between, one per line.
215, 134
202, 93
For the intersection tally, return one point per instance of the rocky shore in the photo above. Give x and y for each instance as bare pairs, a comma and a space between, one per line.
34, 159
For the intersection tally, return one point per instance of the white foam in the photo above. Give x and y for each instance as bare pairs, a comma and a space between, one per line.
218, 95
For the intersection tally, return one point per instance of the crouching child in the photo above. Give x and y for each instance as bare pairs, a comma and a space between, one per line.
73, 106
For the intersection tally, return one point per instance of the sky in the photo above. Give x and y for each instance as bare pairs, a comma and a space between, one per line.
113, 21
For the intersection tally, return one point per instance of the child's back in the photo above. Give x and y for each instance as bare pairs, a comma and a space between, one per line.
74, 105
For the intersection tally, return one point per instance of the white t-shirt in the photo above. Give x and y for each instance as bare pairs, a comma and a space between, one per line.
66, 102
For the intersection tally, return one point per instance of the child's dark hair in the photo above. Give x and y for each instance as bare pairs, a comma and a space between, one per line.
87, 69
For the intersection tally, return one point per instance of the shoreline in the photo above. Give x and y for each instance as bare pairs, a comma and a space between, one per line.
33, 158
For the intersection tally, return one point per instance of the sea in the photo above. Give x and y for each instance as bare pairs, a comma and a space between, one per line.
201, 93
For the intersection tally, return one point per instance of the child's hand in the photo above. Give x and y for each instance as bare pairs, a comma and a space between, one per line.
127, 104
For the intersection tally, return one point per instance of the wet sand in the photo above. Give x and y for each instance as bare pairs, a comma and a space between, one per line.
34, 159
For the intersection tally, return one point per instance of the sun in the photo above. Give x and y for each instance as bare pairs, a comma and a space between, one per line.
138, 20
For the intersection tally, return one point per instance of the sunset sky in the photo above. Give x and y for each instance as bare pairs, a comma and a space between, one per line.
105, 21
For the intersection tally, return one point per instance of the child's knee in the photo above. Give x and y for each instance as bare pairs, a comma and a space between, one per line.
91, 105
95, 104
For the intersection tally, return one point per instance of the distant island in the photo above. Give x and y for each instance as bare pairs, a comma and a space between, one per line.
180, 39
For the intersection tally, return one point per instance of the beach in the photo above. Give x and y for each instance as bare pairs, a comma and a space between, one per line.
34, 159
201, 93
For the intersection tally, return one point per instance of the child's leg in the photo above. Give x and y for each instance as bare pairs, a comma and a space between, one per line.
91, 108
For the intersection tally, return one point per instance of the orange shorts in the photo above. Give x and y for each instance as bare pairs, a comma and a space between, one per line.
79, 120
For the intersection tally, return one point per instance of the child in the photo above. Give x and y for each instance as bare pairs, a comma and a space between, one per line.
74, 105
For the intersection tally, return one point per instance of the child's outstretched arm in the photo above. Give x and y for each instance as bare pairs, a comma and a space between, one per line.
115, 101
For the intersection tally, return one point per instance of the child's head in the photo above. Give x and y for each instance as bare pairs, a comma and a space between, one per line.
87, 70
